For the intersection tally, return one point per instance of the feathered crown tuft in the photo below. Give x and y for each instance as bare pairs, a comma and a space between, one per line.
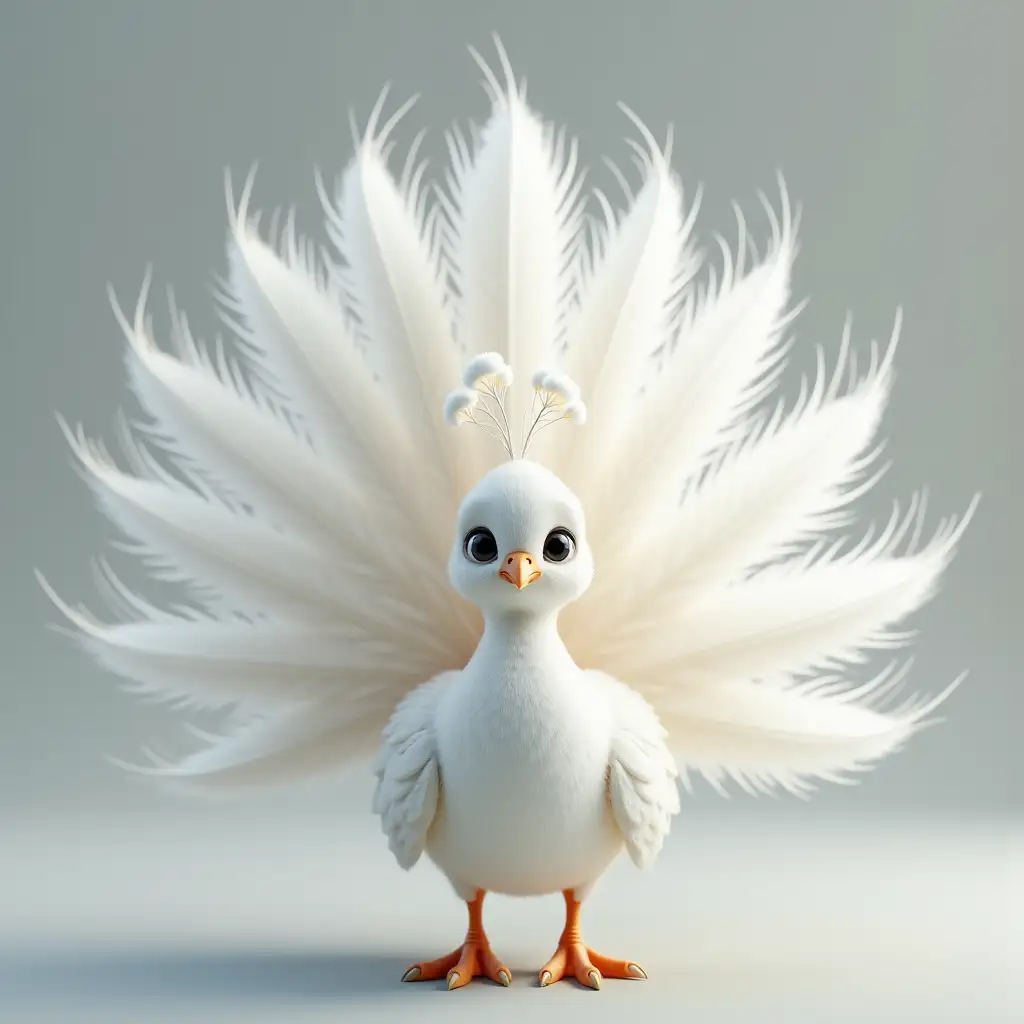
482, 401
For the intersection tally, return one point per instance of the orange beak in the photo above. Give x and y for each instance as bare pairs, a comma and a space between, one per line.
520, 569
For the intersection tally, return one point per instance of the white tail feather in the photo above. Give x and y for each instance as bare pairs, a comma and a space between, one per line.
625, 317
193, 539
513, 221
720, 367
397, 295
295, 331
213, 664
788, 619
790, 480
761, 736
288, 745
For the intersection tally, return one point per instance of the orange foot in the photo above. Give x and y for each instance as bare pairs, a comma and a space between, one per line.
473, 959
575, 960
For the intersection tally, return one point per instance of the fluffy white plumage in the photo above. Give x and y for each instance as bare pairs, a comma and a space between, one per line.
313, 500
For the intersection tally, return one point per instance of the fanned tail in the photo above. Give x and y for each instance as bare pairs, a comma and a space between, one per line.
302, 487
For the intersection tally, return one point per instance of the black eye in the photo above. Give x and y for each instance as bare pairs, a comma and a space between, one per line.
559, 546
480, 546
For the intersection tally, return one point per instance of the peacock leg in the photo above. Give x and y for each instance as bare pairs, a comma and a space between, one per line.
573, 959
473, 959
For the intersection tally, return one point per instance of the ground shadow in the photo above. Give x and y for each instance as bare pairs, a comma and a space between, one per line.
210, 974
95, 982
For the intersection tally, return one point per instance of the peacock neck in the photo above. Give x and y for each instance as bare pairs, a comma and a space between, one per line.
521, 638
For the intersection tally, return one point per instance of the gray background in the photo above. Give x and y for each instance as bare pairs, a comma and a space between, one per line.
897, 126
894, 124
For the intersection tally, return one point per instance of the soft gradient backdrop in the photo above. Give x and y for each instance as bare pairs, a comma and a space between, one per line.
897, 126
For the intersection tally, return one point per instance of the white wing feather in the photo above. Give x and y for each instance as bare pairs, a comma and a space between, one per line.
408, 772
642, 773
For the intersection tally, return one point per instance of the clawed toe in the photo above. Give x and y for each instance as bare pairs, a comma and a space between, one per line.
433, 970
473, 959
494, 969
573, 959
460, 967
611, 968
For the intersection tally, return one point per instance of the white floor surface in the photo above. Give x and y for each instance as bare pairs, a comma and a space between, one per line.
208, 918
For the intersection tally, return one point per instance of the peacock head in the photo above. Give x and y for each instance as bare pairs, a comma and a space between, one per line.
520, 544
